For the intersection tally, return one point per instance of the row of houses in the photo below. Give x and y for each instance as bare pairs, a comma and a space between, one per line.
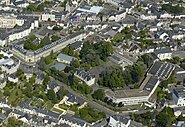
18, 33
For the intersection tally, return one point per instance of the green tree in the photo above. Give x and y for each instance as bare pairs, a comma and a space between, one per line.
54, 38
165, 117
51, 95
99, 94
31, 7
60, 93
12, 122
19, 72
75, 63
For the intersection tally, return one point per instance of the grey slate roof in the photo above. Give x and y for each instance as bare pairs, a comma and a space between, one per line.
179, 91
161, 70
151, 83
65, 57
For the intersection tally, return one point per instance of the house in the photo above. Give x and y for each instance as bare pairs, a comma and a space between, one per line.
164, 53
180, 124
4, 103
59, 66
21, 3
47, 16
118, 121
43, 113
65, 58
85, 76
13, 78
53, 85
117, 16
2, 81
71, 99
178, 95
77, 45
148, 17
72, 121
16, 113
3, 117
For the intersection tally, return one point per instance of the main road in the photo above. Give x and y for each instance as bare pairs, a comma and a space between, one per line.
92, 103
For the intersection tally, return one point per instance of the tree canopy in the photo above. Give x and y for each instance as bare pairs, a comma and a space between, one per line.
173, 9
94, 54
165, 117
115, 77
99, 94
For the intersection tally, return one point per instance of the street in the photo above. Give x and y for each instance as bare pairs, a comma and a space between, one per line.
91, 102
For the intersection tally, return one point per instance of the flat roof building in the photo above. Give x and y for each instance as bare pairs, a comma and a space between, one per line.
159, 71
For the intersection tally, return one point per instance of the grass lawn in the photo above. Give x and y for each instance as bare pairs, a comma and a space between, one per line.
48, 105
65, 107
1, 95
57, 110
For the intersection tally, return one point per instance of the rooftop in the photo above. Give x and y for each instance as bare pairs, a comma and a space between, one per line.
161, 70
59, 66
127, 93
65, 57
179, 91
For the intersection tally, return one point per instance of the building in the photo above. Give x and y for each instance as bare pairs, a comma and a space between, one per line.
159, 71
162, 70
65, 58
178, 95
121, 59
89, 9
71, 99
72, 121
85, 76
10, 21
118, 121
9, 65
54, 86
128, 97
34, 56
163, 54
15, 34
13, 78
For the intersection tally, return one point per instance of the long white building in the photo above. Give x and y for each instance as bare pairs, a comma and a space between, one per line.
34, 56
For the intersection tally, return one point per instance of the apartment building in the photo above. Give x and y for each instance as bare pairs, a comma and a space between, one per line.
34, 56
